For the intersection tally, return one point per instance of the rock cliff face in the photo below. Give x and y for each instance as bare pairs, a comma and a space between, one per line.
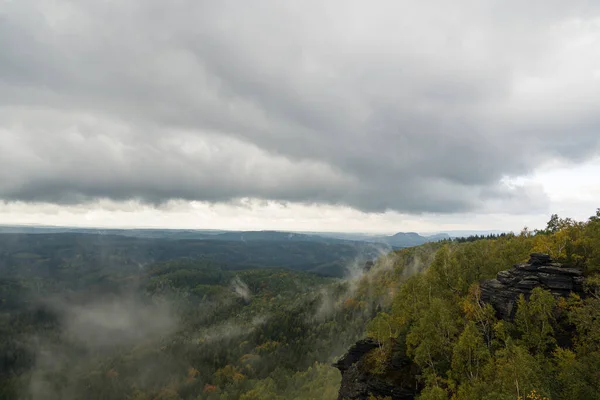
359, 383
540, 271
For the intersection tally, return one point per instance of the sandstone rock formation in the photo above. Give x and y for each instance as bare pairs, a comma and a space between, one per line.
540, 271
359, 383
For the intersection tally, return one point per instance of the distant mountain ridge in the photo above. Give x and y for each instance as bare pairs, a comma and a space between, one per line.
398, 240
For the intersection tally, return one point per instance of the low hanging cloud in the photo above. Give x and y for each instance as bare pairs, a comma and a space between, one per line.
425, 107
241, 289
117, 322
102, 326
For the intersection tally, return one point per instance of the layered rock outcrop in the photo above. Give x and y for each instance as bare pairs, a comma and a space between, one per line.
540, 271
355, 353
359, 383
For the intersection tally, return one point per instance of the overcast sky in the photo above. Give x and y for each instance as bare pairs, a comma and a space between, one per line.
336, 115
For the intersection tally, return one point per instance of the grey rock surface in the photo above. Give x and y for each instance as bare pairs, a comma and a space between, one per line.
540, 271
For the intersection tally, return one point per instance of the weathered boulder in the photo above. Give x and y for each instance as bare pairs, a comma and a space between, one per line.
540, 271
359, 383
355, 353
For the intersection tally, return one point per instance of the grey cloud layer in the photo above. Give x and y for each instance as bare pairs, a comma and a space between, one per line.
402, 106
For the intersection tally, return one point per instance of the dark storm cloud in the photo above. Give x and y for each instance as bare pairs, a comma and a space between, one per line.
411, 107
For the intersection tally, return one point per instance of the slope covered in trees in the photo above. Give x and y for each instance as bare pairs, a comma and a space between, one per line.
440, 332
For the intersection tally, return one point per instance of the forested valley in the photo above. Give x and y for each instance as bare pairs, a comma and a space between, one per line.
74, 325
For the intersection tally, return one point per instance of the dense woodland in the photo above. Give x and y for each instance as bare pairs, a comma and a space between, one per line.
98, 317
49, 255
200, 328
